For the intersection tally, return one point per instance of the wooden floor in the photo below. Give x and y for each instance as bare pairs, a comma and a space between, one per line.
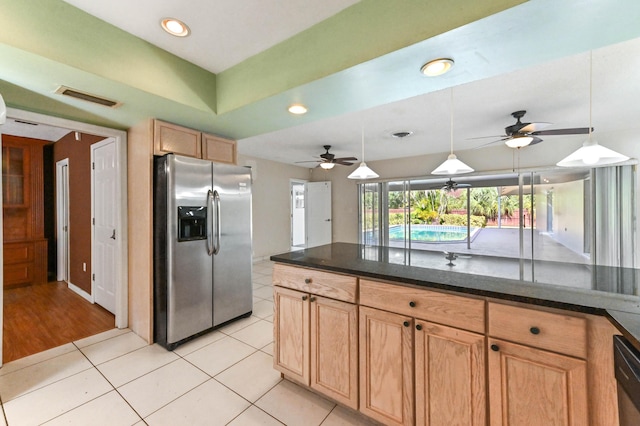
43, 316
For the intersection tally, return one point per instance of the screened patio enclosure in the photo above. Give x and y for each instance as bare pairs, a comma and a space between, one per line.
582, 216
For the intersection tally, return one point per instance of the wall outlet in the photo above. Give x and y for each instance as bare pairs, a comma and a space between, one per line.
84, 266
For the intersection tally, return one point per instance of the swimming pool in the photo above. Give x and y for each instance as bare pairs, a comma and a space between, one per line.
432, 233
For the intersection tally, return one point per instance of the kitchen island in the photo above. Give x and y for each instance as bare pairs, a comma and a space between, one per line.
434, 329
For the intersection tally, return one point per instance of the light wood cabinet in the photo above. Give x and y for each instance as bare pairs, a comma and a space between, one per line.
220, 150
315, 337
449, 376
171, 138
528, 386
430, 357
386, 366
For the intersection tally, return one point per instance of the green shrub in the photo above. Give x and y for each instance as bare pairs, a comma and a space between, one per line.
461, 220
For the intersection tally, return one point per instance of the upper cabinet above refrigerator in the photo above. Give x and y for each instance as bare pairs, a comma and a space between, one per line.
170, 138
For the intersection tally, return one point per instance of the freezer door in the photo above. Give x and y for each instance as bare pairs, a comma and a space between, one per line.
190, 275
232, 289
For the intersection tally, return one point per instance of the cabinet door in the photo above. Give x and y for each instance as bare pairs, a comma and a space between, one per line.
334, 349
220, 150
529, 386
171, 138
450, 376
291, 334
386, 366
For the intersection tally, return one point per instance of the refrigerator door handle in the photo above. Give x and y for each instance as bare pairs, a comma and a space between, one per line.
209, 230
216, 200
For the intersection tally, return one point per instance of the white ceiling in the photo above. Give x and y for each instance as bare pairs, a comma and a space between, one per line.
226, 31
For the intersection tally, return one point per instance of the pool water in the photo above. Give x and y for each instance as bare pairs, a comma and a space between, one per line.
431, 233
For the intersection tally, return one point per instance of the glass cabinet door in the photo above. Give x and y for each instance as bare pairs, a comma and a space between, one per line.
13, 176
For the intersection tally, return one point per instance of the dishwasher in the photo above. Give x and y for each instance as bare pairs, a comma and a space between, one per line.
627, 367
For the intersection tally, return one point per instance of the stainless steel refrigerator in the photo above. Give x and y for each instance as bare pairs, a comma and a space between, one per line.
202, 247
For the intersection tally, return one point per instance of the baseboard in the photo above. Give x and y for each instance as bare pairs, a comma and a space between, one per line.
81, 292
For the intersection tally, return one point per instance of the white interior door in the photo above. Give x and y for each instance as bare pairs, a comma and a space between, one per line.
318, 213
297, 214
62, 219
105, 233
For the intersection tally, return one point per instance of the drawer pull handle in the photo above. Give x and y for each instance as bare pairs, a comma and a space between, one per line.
495, 348
312, 299
406, 323
304, 297
307, 280
412, 304
418, 327
534, 330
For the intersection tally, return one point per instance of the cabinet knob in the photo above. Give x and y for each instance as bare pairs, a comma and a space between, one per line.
312, 299
495, 348
534, 330
304, 297
418, 327
412, 304
406, 323
307, 280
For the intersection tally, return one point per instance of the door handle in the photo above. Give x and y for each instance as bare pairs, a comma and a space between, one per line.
216, 200
327, 220
209, 230
113, 236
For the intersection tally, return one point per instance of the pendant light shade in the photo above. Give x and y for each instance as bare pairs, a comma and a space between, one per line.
452, 166
363, 172
591, 154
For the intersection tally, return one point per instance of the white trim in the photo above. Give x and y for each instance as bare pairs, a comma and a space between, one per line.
81, 292
122, 313
63, 253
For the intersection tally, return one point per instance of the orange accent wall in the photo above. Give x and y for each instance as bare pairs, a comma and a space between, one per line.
79, 155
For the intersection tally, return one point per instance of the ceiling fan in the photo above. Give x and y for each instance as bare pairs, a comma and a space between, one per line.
328, 161
521, 134
451, 185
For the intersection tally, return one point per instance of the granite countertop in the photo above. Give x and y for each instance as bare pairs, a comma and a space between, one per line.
601, 290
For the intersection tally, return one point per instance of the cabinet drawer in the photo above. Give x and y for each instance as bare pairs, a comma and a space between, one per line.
334, 286
443, 308
18, 253
546, 330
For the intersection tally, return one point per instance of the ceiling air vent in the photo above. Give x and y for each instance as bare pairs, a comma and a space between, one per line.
67, 91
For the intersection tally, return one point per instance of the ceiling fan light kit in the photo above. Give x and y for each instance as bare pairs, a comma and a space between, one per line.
363, 172
519, 141
327, 166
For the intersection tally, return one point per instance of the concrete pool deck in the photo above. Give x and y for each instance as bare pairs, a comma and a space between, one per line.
504, 242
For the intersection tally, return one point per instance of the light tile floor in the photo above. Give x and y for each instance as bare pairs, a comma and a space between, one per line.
115, 378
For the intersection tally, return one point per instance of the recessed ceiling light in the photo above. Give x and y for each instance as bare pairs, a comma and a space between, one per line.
298, 109
437, 67
175, 27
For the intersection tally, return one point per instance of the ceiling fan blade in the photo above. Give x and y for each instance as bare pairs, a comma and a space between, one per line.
312, 161
486, 137
533, 127
344, 163
335, 160
535, 141
574, 131
492, 142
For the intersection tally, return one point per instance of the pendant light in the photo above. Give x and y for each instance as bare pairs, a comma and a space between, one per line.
363, 172
591, 154
452, 166
3, 111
